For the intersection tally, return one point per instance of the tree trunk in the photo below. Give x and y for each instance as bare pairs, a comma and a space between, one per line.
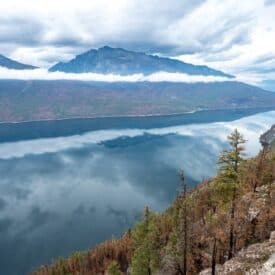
214, 253
231, 230
185, 234
179, 271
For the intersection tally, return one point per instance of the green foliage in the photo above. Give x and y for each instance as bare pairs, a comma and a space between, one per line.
141, 262
62, 266
221, 193
113, 269
146, 257
230, 160
228, 176
79, 257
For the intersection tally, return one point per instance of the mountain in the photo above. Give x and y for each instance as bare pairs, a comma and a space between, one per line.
38, 99
12, 64
119, 61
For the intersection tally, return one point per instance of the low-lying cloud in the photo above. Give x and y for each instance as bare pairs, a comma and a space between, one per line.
43, 74
233, 36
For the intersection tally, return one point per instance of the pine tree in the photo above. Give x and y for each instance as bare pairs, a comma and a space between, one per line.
184, 216
180, 241
145, 258
113, 269
229, 174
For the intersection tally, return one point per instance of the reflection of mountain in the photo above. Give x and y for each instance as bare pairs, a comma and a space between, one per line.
12, 64
119, 61
37, 100
126, 141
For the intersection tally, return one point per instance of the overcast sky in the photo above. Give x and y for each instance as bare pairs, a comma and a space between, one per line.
235, 36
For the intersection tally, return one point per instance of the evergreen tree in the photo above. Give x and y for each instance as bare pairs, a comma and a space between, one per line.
145, 258
231, 159
228, 177
184, 218
180, 241
113, 269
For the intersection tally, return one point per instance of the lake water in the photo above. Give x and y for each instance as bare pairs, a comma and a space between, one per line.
68, 185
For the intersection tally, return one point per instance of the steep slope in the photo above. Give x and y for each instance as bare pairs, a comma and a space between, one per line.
37, 100
257, 258
12, 64
268, 138
119, 61
156, 245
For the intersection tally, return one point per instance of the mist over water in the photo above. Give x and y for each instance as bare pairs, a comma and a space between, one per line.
63, 194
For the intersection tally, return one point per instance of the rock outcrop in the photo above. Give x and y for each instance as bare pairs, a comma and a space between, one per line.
256, 259
268, 138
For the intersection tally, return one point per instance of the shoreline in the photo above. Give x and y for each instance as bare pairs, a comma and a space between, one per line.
111, 116
134, 116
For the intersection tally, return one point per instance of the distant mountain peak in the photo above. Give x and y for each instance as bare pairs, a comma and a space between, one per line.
124, 62
109, 48
106, 47
12, 64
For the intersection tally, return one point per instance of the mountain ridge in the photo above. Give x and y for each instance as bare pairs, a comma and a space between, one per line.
13, 64
124, 62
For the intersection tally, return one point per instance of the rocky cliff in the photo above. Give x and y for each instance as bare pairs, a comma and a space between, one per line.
255, 259
268, 138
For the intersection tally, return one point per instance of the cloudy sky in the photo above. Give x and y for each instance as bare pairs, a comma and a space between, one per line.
232, 35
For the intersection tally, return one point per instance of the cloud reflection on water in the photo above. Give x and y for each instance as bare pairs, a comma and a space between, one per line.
64, 194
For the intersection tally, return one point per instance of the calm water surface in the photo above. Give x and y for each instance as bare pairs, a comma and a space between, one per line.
68, 185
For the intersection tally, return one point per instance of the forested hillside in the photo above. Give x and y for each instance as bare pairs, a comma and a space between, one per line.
60, 99
205, 226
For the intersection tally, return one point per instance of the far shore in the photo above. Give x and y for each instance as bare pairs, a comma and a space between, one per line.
102, 117
264, 109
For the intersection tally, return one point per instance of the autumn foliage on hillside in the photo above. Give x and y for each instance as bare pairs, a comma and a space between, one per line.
94, 261
204, 226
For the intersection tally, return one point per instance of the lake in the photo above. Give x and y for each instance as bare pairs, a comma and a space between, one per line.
68, 185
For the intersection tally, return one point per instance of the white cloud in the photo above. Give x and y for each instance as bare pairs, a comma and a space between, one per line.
213, 26
80, 25
252, 127
252, 61
43, 74
234, 36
